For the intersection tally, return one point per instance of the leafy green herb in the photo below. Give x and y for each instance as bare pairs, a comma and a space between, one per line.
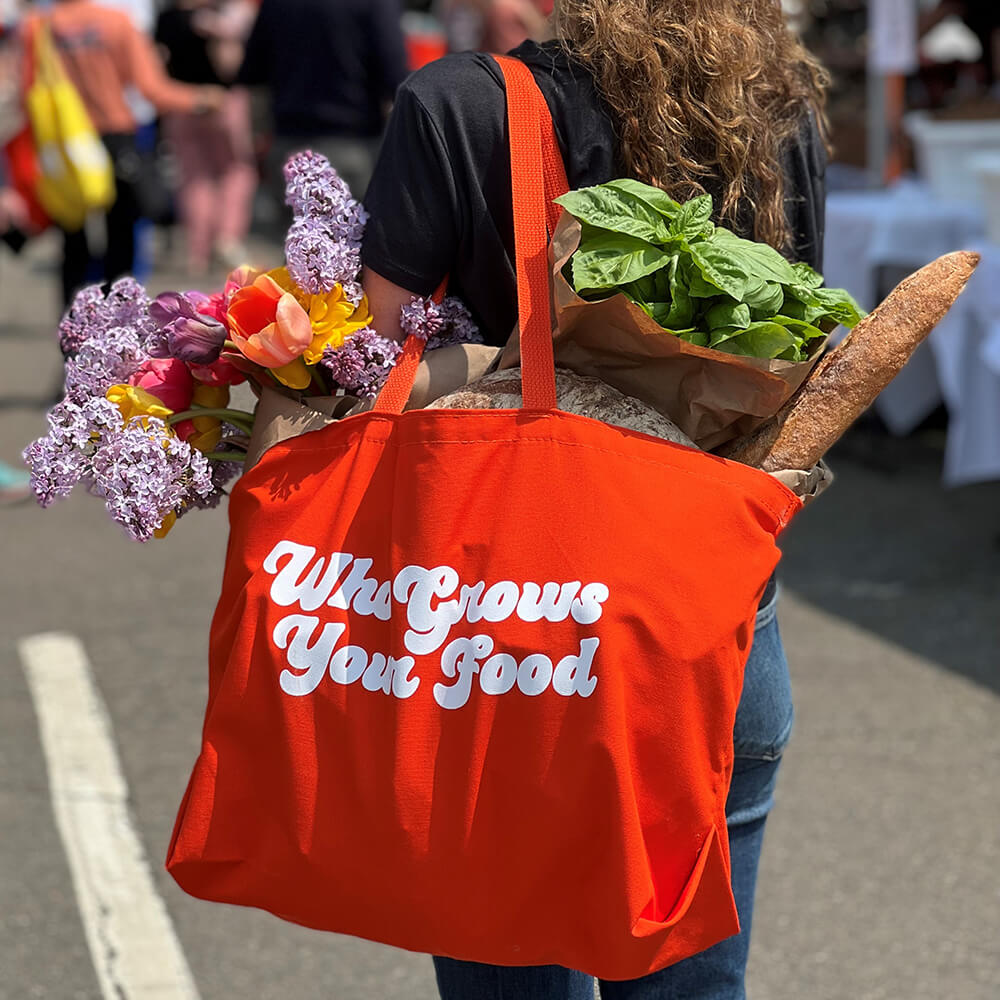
611, 259
697, 280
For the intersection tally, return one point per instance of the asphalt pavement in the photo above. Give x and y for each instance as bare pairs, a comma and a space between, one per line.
881, 869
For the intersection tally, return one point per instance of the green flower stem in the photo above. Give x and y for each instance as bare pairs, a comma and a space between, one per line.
225, 456
239, 418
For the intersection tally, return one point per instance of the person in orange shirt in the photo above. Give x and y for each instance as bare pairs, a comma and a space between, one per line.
103, 53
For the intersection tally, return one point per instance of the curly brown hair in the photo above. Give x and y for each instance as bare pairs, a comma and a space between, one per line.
704, 93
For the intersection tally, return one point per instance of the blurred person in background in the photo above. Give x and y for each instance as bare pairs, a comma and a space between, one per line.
332, 67
204, 42
511, 22
493, 25
103, 54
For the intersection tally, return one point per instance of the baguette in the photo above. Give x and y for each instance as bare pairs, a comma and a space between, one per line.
847, 381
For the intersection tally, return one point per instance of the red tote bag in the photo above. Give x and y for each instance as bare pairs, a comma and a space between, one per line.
474, 674
23, 168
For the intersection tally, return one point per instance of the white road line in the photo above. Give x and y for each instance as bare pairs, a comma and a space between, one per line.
132, 942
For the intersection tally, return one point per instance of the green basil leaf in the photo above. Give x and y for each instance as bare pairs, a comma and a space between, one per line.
643, 290
616, 259
766, 300
840, 305
761, 340
697, 337
656, 199
757, 260
694, 218
660, 311
805, 330
722, 334
817, 304
806, 276
717, 267
808, 312
616, 211
699, 288
682, 310
735, 314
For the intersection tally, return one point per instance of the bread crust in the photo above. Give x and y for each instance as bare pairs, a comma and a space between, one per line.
847, 381
580, 394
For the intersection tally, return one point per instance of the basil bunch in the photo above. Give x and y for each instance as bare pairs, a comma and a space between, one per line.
699, 281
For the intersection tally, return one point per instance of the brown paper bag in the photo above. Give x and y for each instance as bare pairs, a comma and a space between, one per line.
284, 414
712, 396
806, 484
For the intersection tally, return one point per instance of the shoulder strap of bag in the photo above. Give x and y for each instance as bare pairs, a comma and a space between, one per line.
29, 30
48, 68
537, 177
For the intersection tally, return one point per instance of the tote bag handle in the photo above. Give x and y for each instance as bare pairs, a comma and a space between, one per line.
537, 177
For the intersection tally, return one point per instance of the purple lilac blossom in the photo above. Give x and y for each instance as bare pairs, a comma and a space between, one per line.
144, 473
323, 247
190, 334
92, 314
82, 320
362, 363
128, 305
421, 318
440, 324
457, 326
313, 188
353, 292
54, 469
104, 361
317, 260
58, 461
223, 473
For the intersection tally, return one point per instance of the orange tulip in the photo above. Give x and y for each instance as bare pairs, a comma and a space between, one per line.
271, 329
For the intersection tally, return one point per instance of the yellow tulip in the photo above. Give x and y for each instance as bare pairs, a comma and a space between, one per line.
135, 402
295, 375
207, 440
286, 283
208, 430
334, 318
164, 529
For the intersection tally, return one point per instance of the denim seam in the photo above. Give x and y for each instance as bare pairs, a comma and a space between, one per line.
777, 749
769, 756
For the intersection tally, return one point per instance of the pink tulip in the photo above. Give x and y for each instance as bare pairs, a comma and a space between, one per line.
168, 379
220, 372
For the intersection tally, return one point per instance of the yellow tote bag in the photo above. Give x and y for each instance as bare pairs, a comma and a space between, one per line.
76, 172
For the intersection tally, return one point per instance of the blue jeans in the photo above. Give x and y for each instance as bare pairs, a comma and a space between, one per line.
763, 726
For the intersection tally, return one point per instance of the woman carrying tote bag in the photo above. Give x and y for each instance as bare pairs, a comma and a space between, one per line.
691, 95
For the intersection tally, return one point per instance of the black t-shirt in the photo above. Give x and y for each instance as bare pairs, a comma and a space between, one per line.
187, 50
440, 197
331, 65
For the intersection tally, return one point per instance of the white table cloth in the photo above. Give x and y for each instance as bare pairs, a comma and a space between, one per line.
905, 228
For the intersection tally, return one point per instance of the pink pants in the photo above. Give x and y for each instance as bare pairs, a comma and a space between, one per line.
217, 175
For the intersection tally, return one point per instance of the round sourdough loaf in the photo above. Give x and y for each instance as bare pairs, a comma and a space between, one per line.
588, 397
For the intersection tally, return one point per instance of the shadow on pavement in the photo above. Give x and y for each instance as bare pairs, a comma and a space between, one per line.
893, 551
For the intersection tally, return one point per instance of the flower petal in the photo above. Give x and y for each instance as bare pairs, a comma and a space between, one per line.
295, 375
292, 321
251, 310
164, 529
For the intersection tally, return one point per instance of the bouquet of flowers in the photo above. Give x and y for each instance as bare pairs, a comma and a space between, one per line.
146, 423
